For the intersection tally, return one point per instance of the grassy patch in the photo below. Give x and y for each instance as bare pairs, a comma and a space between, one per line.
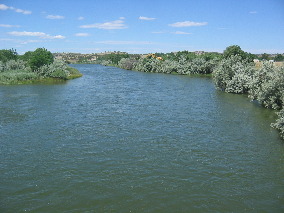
29, 77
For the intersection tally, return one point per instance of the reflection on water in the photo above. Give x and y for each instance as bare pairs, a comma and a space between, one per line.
122, 141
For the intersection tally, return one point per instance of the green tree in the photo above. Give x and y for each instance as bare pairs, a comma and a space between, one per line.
7, 55
265, 56
40, 57
279, 57
27, 56
234, 50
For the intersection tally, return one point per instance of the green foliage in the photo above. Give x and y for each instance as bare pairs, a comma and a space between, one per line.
6, 55
58, 69
17, 76
34, 66
236, 50
265, 56
232, 51
112, 58
267, 86
14, 65
279, 124
27, 56
181, 65
127, 63
233, 75
106, 62
279, 57
40, 57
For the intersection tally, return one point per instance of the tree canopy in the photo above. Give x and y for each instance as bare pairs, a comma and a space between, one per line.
40, 57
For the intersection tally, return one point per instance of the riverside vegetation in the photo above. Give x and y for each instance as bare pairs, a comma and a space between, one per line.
233, 72
36, 66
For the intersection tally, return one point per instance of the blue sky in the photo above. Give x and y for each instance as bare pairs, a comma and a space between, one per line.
142, 26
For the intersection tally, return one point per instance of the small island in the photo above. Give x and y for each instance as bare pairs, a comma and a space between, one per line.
37, 66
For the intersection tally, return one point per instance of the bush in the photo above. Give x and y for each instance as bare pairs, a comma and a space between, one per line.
105, 62
15, 65
279, 124
58, 69
169, 66
225, 71
267, 86
16, 76
148, 65
127, 63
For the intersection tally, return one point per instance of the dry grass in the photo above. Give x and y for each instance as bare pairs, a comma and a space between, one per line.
277, 64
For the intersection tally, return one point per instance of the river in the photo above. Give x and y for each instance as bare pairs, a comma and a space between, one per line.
126, 141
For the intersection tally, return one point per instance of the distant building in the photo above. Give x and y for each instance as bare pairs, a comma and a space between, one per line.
199, 52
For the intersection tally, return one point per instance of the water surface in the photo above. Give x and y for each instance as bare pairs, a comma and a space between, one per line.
126, 141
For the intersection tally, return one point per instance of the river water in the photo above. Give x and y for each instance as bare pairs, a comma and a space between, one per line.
126, 141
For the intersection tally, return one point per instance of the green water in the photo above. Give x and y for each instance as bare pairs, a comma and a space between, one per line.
125, 141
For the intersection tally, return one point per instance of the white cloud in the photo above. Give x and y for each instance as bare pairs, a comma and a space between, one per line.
54, 17
253, 12
112, 25
181, 33
81, 18
25, 12
5, 7
82, 34
8, 25
125, 42
188, 24
29, 41
158, 32
122, 18
36, 34
146, 18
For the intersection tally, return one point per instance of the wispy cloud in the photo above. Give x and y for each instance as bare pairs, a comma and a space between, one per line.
82, 34
188, 24
181, 33
112, 25
5, 7
81, 18
36, 34
30, 41
159, 32
9, 25
146, 18
54, 17
253, 12
125, 42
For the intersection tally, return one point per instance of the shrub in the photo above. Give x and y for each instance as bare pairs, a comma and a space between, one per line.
105, 62
148, 65
279, 124
267, 86
15, 65
58, 69
169, 66
15, 76
127, 63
